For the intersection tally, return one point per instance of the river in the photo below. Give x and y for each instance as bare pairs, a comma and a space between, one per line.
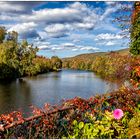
52, 88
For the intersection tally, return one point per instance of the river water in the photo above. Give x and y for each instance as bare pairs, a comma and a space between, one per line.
52, 88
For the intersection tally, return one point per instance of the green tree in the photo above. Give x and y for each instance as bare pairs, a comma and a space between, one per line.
16, 58
56, 62
20, 58
7, 72
26, 54
135, 30
12, 36
8, 60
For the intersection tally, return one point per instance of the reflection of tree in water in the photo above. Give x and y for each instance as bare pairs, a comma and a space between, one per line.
54, 75
23, 95
6, 96
44, 76
14, 96
112, 86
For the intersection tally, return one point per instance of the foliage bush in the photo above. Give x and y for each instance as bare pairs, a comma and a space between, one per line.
107, 126
135, 78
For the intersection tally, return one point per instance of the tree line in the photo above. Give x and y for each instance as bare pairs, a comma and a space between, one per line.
111, 65
18, 59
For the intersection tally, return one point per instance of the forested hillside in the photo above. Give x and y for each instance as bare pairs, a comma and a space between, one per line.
110, 65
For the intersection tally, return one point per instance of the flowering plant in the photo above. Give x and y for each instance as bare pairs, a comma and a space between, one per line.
118, 114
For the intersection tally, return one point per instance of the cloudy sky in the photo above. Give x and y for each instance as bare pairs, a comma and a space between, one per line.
66, 28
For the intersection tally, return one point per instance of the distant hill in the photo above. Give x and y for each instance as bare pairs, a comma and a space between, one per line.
92, 55
106, 64
124, 51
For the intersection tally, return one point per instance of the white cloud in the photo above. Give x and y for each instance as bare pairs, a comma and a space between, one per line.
21, 28
5, 6
108, 36
38, 42
89, 48
57, 30
79, 6
43, 35
110, 3
75, 40
56, 22
81, 37
108, 39
67, 46
26, 30
76, 15
107, 12
110, 43
75, 49
17, 7
56, 15
106, 43
44, 47
4, 17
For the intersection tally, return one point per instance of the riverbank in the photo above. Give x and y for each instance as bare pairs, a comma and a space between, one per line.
85, 118
111, 66
111, 115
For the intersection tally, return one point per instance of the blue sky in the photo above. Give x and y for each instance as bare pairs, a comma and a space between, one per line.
66, 28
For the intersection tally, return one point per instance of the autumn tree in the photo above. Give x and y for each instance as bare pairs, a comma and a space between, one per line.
2, 34
128, 18
56, 62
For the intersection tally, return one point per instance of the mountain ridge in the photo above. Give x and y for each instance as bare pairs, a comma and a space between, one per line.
121, 52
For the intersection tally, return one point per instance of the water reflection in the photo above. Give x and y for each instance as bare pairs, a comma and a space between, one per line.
15, 96
51, 87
